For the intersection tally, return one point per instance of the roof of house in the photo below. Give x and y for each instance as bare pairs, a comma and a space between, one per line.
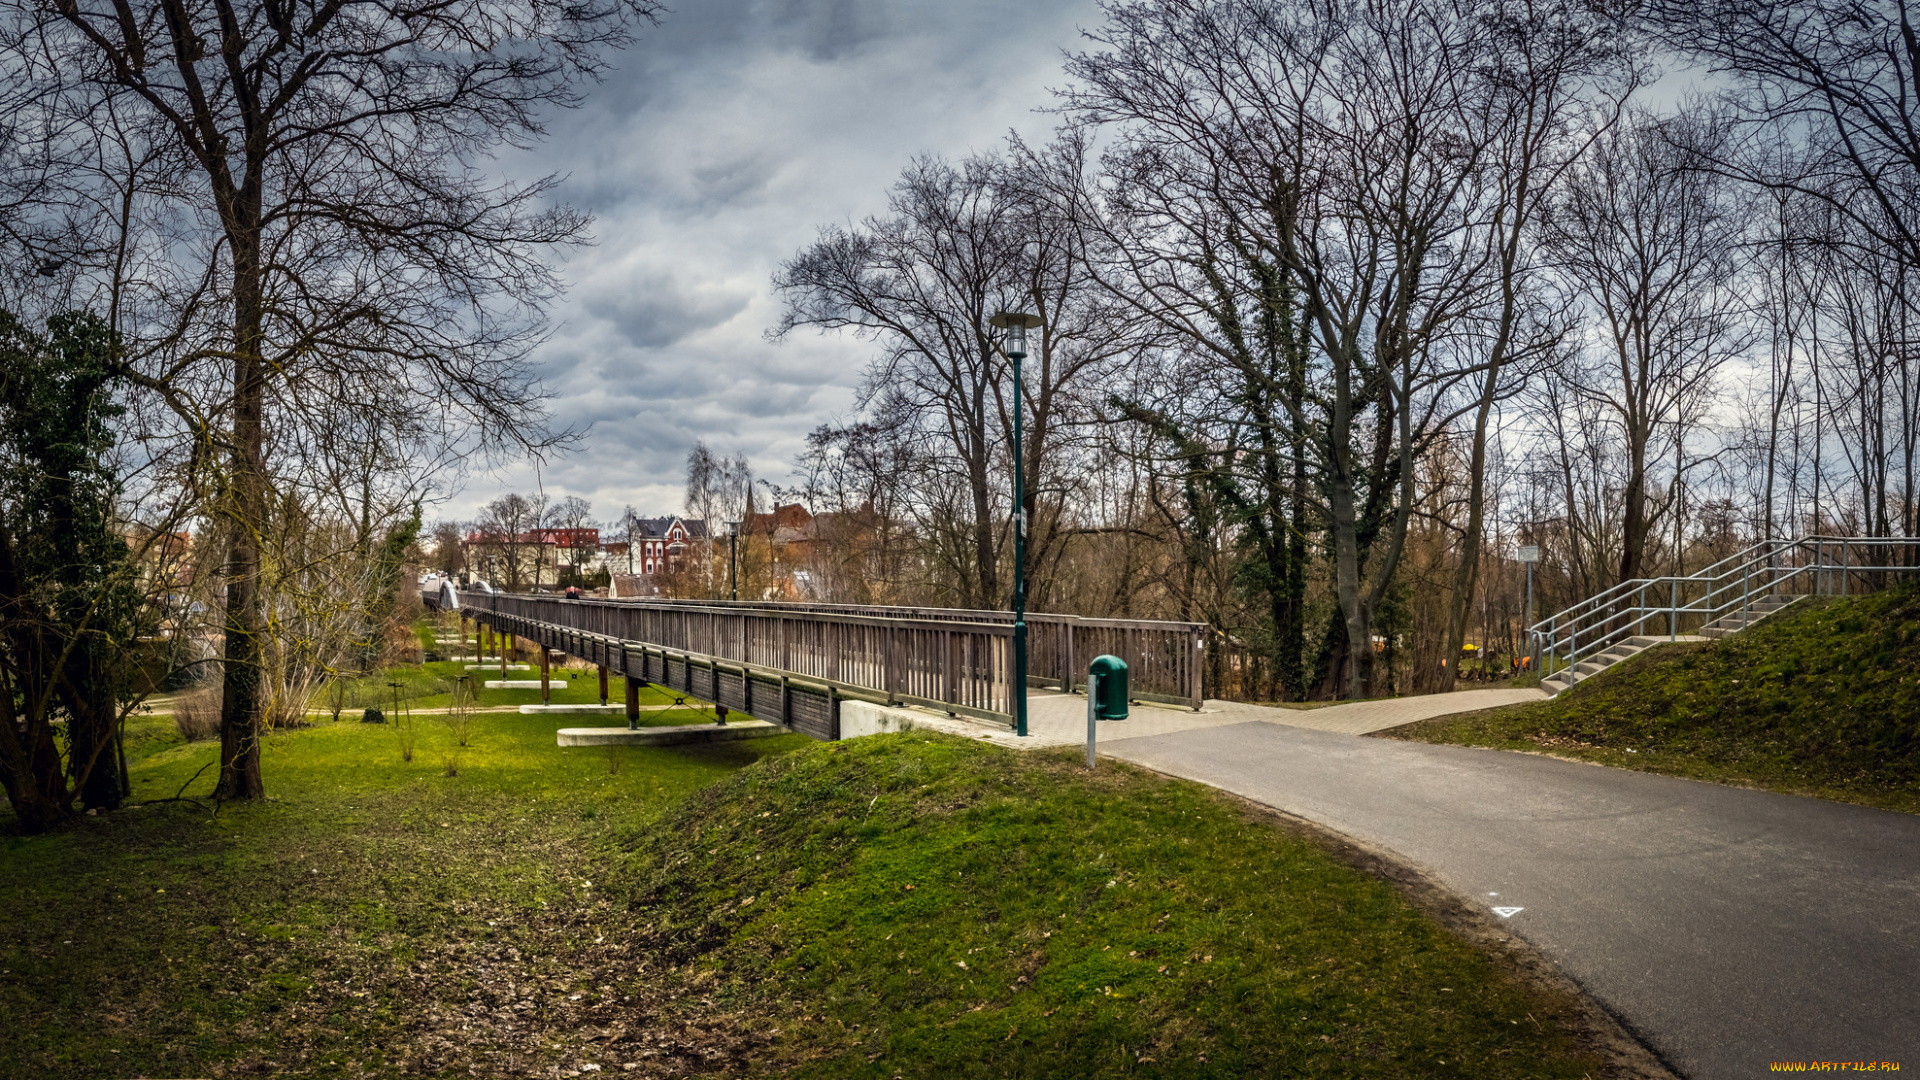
658, 527
790, 516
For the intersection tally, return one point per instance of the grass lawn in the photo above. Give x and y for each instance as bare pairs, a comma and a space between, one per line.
1822, 699
427, 688
909, 905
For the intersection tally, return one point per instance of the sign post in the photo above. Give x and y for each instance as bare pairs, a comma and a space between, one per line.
1530, 554
1093, 697
1106, 695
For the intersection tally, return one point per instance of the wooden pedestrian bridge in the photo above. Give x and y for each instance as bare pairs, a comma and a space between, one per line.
794, 663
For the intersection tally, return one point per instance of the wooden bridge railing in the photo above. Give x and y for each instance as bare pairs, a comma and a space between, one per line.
955, 659
1164, 657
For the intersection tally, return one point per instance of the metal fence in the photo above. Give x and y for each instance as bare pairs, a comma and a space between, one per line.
953, 659
1727, 596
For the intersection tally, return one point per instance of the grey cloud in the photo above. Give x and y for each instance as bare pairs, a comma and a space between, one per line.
726, 183
716, 148
652, 309
832, 29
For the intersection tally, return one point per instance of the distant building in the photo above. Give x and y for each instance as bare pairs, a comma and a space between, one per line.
537, 558
653, 541
786, 526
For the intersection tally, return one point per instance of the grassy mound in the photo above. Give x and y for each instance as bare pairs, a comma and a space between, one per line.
895, 906
351, 925
1822, 699
922, 906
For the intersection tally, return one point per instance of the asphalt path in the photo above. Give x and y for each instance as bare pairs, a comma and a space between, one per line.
1726, 928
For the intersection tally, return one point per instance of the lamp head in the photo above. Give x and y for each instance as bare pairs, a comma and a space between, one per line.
733, 528
1016, 324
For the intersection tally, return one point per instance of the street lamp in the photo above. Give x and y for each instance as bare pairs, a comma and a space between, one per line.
1016, 324
733, 557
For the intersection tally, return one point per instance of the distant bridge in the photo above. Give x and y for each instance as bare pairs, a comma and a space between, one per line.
792, 664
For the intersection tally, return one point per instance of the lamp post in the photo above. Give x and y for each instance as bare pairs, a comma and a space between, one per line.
733, 557
1016, 324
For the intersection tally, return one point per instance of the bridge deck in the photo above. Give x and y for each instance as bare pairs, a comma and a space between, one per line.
791, 663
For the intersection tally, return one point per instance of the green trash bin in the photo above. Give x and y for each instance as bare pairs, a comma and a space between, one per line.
1107, 675
1106, 695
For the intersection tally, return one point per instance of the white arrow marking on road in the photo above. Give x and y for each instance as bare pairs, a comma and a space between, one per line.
1508, 912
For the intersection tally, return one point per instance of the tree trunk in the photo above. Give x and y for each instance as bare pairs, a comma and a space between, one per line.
240, 705
986, 575
1633, 545
93, 754
1293, 635
1466, 576
1346, 575
38, 805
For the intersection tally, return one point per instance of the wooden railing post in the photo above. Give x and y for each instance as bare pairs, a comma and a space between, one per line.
1067, 663
1196, 658
892, 671
947, 691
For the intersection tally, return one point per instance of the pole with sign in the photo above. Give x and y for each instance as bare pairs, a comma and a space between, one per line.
1106, 695
1530, 554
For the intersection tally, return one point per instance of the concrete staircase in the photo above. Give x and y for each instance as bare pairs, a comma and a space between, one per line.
1601, 661
1737, 621
1731, 623
1740, 590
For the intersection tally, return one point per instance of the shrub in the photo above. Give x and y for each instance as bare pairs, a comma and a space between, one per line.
373, 716
458, 720
196, 713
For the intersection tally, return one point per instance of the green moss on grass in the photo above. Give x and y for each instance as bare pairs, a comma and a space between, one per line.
373, 918
908, 905
946, 909
1821, 699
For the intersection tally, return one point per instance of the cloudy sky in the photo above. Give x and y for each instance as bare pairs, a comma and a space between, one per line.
717, 147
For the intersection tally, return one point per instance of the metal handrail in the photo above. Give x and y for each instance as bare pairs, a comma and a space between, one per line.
1710, 595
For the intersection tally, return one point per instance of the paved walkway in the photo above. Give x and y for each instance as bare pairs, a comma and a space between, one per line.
1360, 717
1055, 719
1728, 928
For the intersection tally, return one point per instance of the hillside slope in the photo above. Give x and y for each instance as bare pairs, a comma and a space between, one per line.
917, 905
1822, 699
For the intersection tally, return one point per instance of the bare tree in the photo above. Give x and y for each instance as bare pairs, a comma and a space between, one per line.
1840, 77
963, 241
336, 242
719, 489
575, 515
857, 484
1559, 65
923, 282
1292, 172
506, 529
1650, 244
449, 550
